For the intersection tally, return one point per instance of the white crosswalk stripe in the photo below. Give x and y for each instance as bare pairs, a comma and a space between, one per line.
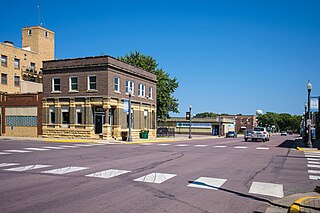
313, 162
314, 171
36, 149
313, 166
313, 159
182, 145
65, 170
8, 164
312, 156
84, 145
155, 178
312, 153
269, 189
163, 144
52, 147
208, 183
5, 153
262, 148
219, 146
107, 173
17, 151
27, 168
313, 177
200, 145
67, 146
240, 147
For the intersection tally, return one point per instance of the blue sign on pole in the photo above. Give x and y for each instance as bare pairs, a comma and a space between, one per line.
126, 105
314, 105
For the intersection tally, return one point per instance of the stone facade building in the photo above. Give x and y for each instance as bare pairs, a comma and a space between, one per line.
20, 68
85, 98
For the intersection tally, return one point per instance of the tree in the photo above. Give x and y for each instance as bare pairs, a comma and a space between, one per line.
282, 121
166, 86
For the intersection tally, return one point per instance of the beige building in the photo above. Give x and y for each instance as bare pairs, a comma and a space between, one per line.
20, 66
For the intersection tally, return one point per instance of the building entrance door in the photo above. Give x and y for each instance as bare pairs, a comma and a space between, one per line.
111, 120
98, 123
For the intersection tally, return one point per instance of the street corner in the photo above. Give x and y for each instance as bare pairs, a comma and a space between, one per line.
306, 204
307, 149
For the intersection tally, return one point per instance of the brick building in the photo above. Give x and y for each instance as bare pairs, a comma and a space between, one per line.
21, 67
245, 122
84, 98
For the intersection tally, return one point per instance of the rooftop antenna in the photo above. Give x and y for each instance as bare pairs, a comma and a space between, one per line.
39, 17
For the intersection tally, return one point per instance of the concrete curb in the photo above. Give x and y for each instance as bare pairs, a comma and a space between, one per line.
307, 149
296, 206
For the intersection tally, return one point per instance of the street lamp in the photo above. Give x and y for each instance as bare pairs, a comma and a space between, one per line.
219, 126
130, 115
305, 120
190, 107
309, 87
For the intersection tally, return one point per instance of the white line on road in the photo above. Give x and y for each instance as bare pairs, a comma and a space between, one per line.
208, 183
107, 173
313, 166
163, 144
200, 145
84, 145
240, 147
313, 162
182, 145
314, 159
17, 151
312, 153
67, 146
52, 147
313, 177
220, 146
155, 177
263, 148
312, 156
65, 170
8, 164
314, 171
270, 189
36, 149
27, 168
4, 153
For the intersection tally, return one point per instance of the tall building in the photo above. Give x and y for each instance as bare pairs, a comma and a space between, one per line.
21, 67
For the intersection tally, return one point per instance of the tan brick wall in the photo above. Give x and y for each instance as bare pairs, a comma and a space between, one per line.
21, 131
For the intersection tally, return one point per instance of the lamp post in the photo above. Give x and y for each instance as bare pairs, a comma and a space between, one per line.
219, 126
305, 120
130, 115
309, 87
190, 107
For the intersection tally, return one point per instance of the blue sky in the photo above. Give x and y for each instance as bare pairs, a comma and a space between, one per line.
228, 56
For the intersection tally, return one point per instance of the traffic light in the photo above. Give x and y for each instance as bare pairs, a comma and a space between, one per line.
188, 116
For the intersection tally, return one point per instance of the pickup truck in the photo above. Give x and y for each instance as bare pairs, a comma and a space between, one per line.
260, 133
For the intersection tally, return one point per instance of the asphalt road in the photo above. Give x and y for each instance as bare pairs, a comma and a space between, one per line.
212, 175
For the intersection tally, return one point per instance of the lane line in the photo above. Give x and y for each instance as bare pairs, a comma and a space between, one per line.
262, 148
36, 149
220, 146
240, 147
68, 146
163, 144
27, 168
52, 147
200, 145
84, 145
208, 183
17, 151
270, 189
181, 145
5, 153
65, 170
155, 178
8, 164
107, 173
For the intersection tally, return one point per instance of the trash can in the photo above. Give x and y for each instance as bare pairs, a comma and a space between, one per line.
124, 135
144, 134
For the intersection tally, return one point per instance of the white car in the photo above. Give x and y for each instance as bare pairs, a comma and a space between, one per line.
260, 133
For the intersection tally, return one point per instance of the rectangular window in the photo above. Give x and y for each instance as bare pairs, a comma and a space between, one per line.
4, 60
150, 92
78, 115
117, 84
65, 116
56, 84
73, 83
51, 115
16, 63
32, 66
141, 90
45, 34
29, 32
4, 78
16, 81
92, 83
130, 87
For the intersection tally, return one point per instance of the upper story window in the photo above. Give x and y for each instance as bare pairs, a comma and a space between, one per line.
130, 87
4, 78
150, 92
29, 32
45, 33
141, 90
117, 84
32, 66
73, 84
56, 85
4, 60
16, 63
92, 83
16, 81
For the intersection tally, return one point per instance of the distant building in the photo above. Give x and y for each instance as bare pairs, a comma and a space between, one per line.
85, 98
21, 67
245, 122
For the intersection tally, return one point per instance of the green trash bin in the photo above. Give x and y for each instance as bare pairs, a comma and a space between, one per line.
144, 134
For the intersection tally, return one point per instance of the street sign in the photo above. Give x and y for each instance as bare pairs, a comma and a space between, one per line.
314, 105
126, 105
309, 122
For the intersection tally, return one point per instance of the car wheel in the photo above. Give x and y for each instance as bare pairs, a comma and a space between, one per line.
245, 139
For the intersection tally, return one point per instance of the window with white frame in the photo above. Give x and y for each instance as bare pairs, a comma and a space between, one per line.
4, 60
92, 82
16, 63
150, 92
52, 115
16, 81
56, 85
117, 84
78, 115
130, 87
73, 84
29, 32
65, 116
141, 90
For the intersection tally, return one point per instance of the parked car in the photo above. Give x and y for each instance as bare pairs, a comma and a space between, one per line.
248, 135
231, 134
260, 133
284, 133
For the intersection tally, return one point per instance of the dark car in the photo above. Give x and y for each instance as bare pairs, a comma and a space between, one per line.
248, 135
231, 134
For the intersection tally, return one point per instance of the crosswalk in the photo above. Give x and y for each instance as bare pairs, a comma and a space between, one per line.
313, 164
208, 183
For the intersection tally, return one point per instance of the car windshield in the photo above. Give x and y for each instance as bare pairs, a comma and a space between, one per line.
230, 132
258, 129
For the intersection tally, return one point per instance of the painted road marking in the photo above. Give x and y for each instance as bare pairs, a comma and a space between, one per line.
207, 183
314, 171
220, 146
270, 189
52, 147
107, 173
36, 149
146, 144
163, 144
4, 153
313, 177
84, 145
8, 164
200, 145
27, 168
181, 145
17, 151
263, 148
312, 156
240, 147
315, 153
67, 146
155, 178
313, 162
313, 166
65, 170
314, 159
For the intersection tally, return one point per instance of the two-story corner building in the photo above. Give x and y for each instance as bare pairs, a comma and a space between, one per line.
20, 68
85, 98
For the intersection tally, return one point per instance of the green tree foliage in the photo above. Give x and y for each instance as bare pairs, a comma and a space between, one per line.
209, 115
166, 86
282, 121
